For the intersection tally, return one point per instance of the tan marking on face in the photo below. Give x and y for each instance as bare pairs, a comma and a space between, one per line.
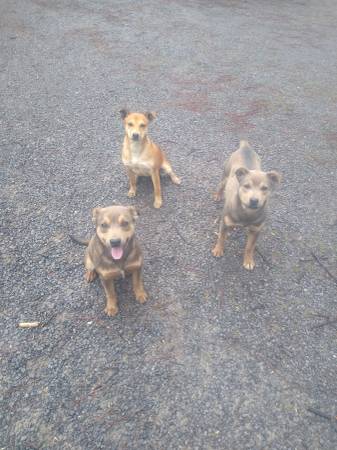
123, 221
115, 222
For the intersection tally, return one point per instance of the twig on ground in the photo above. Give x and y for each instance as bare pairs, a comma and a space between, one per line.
195, 151
264, 259
330, 321
331, 275
169, 141
332, 419
311, 259
318, 314
180, 235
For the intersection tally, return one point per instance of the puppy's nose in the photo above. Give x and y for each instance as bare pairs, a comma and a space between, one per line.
115, 242
135, 136
253, 202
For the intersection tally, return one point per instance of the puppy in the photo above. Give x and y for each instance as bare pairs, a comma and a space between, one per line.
113, 252
141, 156
246, 189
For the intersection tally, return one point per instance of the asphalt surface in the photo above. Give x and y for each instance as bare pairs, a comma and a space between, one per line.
219, 358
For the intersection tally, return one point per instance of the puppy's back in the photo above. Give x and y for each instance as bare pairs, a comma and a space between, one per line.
244, 156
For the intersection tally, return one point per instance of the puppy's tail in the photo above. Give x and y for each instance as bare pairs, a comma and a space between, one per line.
244, 144
80, 241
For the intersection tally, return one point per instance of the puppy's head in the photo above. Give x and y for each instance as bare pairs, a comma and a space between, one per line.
136, 124
255, 187
115, 226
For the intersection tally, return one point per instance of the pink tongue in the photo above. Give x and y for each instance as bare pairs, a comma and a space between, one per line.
117, 252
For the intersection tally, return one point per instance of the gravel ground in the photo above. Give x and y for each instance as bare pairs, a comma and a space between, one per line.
219, 358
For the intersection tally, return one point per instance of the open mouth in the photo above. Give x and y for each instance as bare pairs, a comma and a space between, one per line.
117, 252
250, 206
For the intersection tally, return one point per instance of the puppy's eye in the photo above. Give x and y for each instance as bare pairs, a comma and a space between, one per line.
130, 124
125, 223
104, 226
246, 186
142, 125
264, 188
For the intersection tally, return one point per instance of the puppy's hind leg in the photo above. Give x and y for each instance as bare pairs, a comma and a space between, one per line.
167, 168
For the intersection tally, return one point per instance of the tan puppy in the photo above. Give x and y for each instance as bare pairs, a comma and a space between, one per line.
141, 156
113, 252
246, 190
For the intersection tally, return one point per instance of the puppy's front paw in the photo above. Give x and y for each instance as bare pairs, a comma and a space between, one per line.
249, 263
132, 193
90, 275
176, 180
217, 251
111, 310
157, 203
217, 196
141, 296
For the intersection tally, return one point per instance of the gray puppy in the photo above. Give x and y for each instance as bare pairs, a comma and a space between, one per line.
246, 190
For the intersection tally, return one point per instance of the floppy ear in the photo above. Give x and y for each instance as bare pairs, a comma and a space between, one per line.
124, 112
95, 213
134, 212
150, 115
241, 173
274, 178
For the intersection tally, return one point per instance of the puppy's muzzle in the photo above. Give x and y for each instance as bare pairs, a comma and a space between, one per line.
253, 203
115, 242
135, 136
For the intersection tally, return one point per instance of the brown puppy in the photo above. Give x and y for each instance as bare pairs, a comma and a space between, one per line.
246, 190
141, 156
113, 251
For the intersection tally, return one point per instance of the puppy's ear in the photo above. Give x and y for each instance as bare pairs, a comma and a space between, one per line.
133, 212
274, 178
124, 112
150, 116
94, 216
240, 173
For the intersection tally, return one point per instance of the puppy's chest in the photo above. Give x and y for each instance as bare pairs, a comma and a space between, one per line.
229, 222
113, 270
135, 161
236, 222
